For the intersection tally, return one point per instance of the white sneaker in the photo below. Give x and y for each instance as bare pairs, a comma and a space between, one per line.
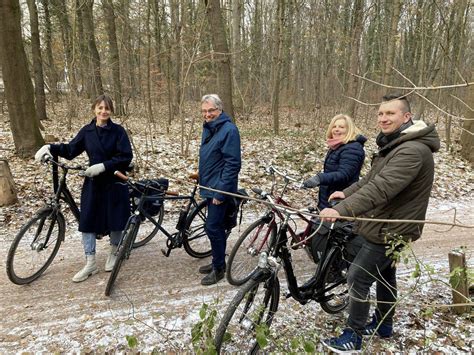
109, 264
88, 270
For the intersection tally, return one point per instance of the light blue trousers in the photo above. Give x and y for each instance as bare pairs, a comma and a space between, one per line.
89, 241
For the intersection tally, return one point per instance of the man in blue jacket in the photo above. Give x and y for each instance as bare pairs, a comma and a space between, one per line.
219, 166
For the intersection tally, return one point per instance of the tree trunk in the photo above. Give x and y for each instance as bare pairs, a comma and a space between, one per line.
222, 57
7, 185
467, 136
70, 77
109, 14
237, 7
18, 87
276, 65
94, 60
37, 62
51, 72
396, 6
356, 36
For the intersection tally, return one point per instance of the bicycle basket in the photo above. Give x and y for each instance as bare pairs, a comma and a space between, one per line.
155, 187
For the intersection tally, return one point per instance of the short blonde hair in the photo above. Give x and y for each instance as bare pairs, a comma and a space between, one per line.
352, 130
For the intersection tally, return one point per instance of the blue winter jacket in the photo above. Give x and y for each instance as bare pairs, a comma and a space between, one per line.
105, 204
341, 169
219, 157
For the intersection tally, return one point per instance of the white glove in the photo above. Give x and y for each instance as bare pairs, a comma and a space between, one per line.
43, 154
94, 170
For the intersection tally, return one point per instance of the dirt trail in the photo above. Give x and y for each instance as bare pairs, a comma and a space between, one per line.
157, 299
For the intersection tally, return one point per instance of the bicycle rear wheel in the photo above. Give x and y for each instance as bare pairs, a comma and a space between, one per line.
335, 296
123, 252
243, 258
195, 241
249, 313
148, 229
35, 246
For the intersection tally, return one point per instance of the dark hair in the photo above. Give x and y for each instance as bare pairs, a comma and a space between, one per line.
398, 96
107, 100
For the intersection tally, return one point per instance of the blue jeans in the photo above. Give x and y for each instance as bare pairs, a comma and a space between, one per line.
89, 241
370, 265
215, 229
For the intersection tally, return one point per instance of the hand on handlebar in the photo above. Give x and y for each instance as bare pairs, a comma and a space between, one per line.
43, 154
329, 215
312, 182
337, 195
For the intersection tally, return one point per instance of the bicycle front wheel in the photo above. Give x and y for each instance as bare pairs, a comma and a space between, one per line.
335, 297
249, 314
123, 252
148, 229
243, 258
195, 241
35, 246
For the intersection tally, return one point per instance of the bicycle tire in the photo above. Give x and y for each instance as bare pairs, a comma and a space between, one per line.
148, 229
122, 253
336, 296
46, 230
246, 312
195, 240
243, 258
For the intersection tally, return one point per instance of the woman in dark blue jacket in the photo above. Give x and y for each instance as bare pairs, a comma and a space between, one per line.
105, 205
344, 159
219, 166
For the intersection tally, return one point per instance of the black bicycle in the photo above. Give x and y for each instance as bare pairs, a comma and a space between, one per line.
190, 232
254, 306
39, 239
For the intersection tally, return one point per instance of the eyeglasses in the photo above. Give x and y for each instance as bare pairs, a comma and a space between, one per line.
211, 111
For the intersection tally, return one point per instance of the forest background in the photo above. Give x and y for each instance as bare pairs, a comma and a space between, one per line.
283, 68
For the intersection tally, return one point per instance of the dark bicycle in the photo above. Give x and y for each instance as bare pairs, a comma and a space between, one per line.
243, 257
38, 241
255, 304
190, 232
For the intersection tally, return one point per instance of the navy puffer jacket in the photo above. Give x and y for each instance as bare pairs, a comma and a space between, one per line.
341, 169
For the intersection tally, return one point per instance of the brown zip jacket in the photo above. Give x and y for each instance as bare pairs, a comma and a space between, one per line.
397, 186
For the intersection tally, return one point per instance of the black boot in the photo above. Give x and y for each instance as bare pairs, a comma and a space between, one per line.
213, 277
205, 269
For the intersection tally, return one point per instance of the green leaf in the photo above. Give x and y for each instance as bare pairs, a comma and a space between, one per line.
294, 343
132, 341
227, 337
309, 347
203, 311
262, 339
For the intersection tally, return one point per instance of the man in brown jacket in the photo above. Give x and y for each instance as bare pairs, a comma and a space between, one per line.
398, 186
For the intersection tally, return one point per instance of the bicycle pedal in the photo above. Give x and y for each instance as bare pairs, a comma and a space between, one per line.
166, 252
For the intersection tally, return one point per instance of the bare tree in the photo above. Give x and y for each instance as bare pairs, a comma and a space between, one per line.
222, 56
18, 86
51, 71
109, 14
277, 64
40, 97
94, 72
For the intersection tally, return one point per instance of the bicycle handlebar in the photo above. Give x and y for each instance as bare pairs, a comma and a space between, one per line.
272, 170
63, 165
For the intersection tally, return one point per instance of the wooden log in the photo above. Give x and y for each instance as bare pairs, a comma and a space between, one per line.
7, 185
458, 280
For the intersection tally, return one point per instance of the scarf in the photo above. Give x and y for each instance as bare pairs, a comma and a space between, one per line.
334, 143
383, 139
